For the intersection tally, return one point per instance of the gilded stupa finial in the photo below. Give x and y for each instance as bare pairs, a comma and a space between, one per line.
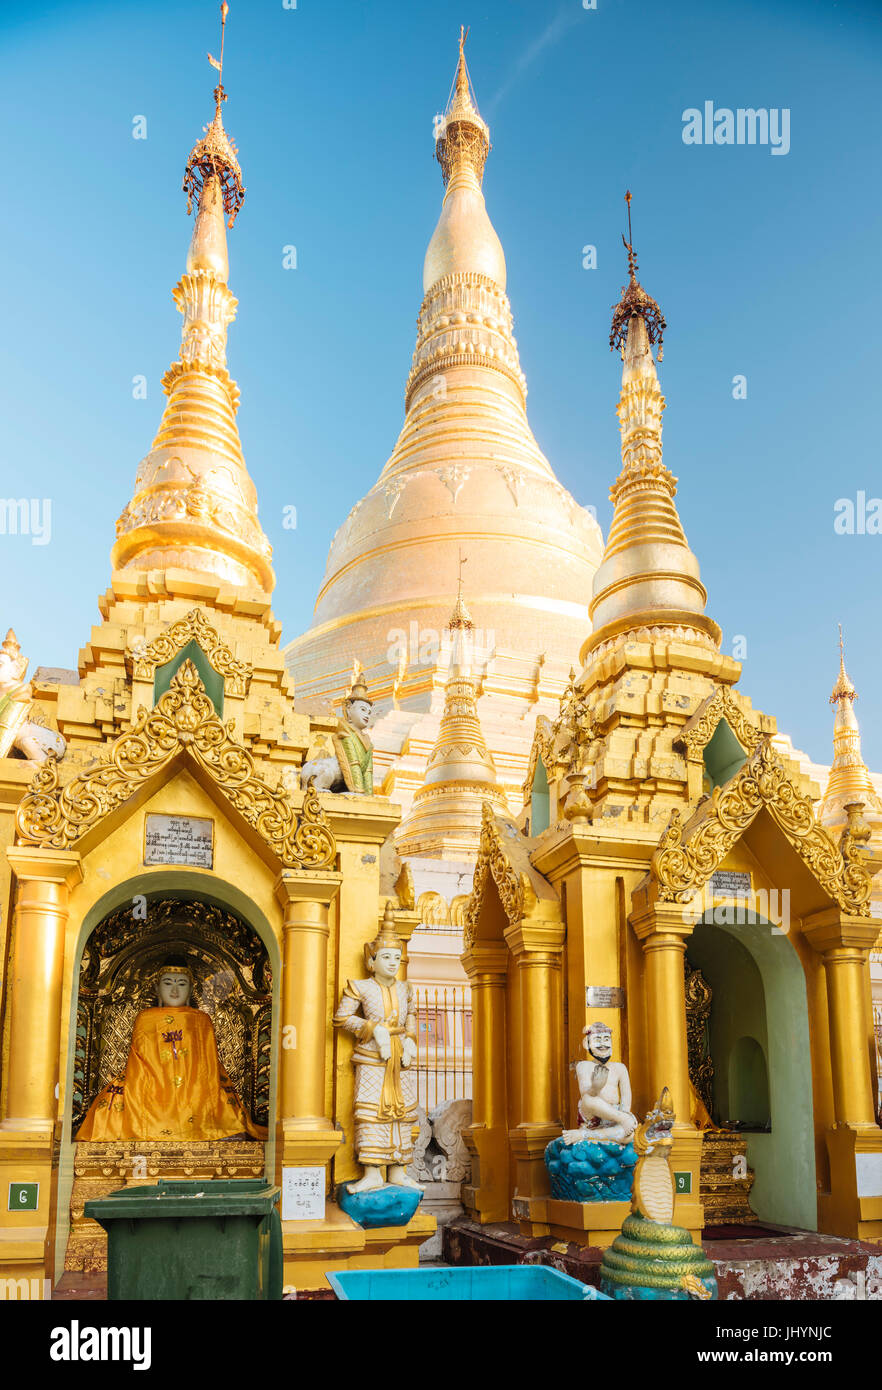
843, 689
462, 138
215, 155
460, 619
635, 300
849, 781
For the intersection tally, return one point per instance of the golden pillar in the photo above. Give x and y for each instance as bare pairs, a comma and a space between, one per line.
45, 878
306, 1129
662, 929
486, 1197
537, 947
853, 1206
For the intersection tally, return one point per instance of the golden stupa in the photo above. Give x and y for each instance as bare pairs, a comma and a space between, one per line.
849, 780
465, 472
194, 506
444, 820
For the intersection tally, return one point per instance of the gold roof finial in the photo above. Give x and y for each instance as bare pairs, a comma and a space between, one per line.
215, 155
635, 300
461, 136
849, 781
460, 618
843, 689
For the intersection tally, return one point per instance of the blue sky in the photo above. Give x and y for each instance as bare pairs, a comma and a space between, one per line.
765, 266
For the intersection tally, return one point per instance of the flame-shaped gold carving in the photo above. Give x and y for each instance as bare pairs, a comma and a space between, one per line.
515, 889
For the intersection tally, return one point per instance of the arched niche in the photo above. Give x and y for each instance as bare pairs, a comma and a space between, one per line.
185, 886
749, 1084
759, 992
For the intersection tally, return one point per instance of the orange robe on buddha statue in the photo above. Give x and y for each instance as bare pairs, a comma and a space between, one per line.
174, 1086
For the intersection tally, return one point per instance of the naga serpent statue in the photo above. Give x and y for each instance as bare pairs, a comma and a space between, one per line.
652, 1259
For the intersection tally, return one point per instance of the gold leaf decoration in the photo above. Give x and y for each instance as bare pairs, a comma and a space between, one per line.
183, 719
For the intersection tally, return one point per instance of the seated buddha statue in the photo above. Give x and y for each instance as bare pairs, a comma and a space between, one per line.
174, 1086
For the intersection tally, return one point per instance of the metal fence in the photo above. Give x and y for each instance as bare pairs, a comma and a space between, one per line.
444, 1043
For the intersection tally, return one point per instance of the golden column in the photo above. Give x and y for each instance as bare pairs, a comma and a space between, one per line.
45, 878
486, 1197
537, 946
662, 929
307, 1134
853, 1206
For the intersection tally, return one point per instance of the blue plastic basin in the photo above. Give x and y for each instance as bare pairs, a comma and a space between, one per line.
508, 1283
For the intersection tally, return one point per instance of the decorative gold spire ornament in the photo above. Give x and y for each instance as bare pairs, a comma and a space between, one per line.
462, 137
649, 576
194, 506
849, 780
635, 300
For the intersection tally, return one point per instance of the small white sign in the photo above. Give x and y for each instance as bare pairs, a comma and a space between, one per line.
179, 840
728, 883
869, 1175
303, 1194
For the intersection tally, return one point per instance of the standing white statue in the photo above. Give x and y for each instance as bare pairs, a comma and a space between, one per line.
604, 1093
385, 1050
18, 728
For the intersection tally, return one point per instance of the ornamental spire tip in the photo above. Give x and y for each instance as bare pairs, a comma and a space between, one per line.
215, 155
635, 300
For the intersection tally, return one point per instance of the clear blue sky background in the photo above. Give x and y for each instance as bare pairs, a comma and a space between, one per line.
764, 265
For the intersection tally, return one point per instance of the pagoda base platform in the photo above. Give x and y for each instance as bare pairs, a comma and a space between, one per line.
759, 1262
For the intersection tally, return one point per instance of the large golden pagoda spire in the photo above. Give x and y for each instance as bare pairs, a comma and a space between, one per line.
445, 818
649, 577
849, 779
194, 506
466, 470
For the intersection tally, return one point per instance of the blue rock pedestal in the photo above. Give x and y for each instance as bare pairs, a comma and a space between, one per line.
380, 1206
590, 1172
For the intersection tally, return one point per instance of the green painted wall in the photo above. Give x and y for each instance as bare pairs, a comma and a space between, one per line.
540, 811
759, 993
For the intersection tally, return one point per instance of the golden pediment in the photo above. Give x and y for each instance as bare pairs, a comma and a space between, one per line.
688, 854
183, 721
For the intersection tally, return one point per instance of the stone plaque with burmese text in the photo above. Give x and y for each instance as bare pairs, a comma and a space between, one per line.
179, 840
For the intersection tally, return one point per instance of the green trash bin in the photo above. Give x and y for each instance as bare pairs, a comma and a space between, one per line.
221, 1238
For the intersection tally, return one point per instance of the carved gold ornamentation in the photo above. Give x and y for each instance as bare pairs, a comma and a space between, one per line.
700, 729
183, 720
687, 855
635, 300
194, 626
699, 997
515, 890
540, 751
